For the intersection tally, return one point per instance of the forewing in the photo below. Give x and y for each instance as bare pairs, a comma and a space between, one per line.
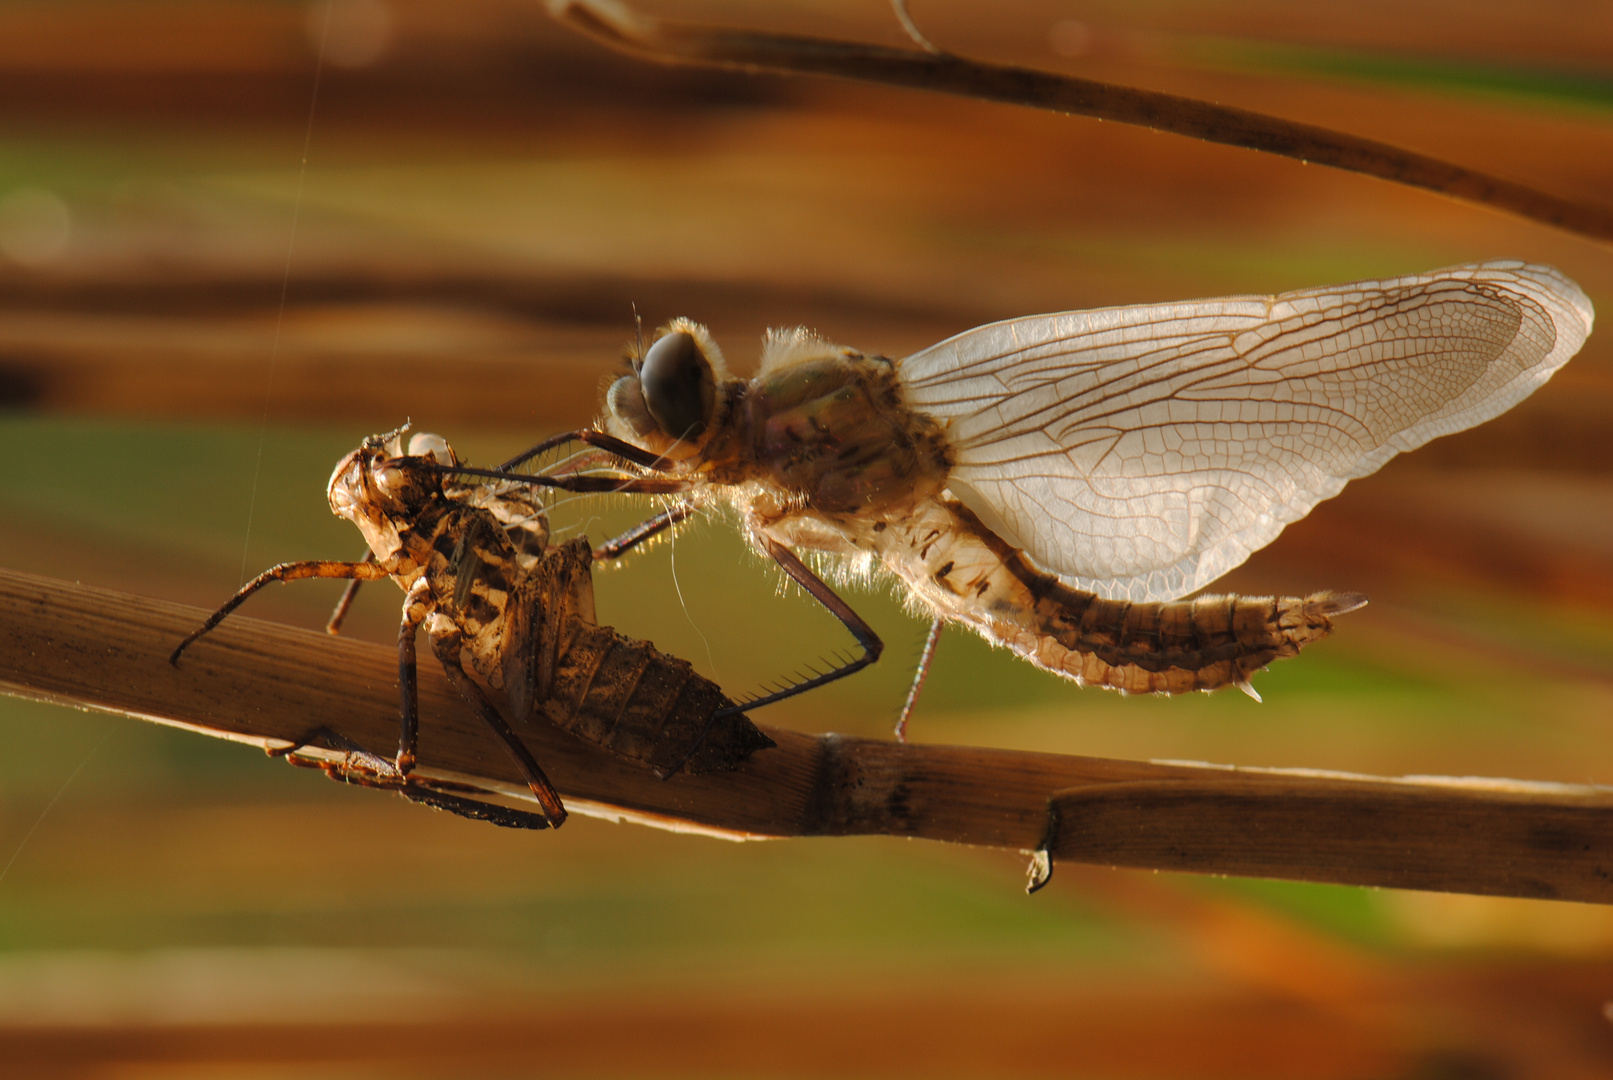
1142, 452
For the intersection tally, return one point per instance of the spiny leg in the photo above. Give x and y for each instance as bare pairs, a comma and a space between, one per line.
819, 590
923, 672
587, 485
446, 641
824, 595
582, 484
589, 437
349, 594
617, 547
543, 447
294, 571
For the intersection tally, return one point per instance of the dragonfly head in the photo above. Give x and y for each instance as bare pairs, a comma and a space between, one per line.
669, 402
380, 483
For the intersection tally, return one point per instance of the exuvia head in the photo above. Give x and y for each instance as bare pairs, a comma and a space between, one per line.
380, 479
670, 403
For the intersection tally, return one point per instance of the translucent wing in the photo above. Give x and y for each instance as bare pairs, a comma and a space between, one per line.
1142, 452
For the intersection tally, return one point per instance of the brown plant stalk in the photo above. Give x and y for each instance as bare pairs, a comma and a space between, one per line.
620, 27
268, 684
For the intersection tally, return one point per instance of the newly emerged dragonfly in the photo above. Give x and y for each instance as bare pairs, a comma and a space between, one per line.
1057, 482
511, 617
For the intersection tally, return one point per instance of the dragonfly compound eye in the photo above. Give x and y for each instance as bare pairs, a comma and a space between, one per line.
625, 403
678, 385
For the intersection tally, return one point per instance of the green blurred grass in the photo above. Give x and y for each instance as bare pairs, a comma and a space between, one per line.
1531, 85
189, 490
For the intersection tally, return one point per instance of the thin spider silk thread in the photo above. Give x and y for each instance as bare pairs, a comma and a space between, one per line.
54, 799
285, 287
672, 541
263, 421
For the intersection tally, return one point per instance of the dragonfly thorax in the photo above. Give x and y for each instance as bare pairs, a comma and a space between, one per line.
833, 432
822, 431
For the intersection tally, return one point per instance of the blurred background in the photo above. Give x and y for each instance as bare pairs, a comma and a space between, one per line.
215, 280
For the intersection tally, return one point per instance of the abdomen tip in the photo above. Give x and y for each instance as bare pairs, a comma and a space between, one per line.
1338, 603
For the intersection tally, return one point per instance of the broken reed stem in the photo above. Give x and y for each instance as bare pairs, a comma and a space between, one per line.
269, 684
625, 30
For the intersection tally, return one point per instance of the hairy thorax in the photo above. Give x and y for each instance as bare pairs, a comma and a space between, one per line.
820, 452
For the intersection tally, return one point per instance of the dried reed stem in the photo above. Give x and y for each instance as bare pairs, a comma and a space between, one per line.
268, 684
621, 28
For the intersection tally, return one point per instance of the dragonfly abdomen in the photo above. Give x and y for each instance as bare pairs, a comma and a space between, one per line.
642, 705
968, 574
1170, 648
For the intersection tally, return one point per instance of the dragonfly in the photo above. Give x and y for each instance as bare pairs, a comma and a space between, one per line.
510, 616
1058, 483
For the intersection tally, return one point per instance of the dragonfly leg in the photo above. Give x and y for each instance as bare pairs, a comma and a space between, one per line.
293, 571
618, 546
475, 809
349, 594
416, 606
595, 485
543, 447
819, 591
334, 740
923, 672
358, 765
446, 640
372, 770
589, 437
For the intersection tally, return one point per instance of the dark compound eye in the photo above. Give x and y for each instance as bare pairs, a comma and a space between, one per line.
679, 388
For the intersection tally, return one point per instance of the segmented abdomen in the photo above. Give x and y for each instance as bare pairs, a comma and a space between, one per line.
529, 632
1171, 648
630, 698
970, 575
